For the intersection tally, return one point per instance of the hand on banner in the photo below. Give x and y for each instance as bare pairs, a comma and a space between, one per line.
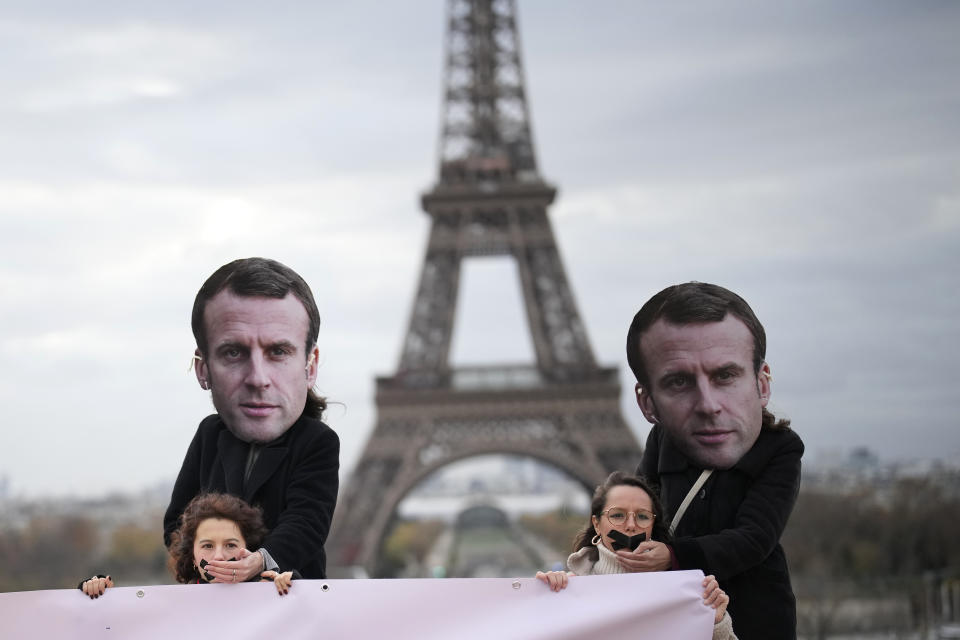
283, 581
715, 597
649, 556
96, 586
241, 569
556, 580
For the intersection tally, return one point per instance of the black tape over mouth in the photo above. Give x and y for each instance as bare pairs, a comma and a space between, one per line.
207, 574
619, 540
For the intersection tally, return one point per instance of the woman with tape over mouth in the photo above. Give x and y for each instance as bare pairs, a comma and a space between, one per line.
213, 527
625, 513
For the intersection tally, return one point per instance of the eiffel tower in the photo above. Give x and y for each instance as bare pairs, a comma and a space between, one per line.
489, 200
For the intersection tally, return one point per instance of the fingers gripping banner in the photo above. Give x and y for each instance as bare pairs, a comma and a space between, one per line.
652, 606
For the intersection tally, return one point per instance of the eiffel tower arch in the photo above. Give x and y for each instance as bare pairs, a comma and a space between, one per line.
489, 200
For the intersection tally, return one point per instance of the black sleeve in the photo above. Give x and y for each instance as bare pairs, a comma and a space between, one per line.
311, 495
759, 522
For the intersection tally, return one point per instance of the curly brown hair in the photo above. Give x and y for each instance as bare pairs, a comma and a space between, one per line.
222, 506
660, 533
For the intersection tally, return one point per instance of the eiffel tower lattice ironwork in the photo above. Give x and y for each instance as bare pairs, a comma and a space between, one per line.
489, 200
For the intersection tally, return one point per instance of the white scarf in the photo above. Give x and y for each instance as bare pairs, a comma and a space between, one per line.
581, 564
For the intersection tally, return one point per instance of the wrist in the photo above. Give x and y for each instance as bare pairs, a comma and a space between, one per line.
674, 563
269, 564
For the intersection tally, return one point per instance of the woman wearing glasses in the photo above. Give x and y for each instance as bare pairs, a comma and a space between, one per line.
214, 526
626, 512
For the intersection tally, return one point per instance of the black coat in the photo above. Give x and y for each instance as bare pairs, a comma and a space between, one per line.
294, 480
732, 528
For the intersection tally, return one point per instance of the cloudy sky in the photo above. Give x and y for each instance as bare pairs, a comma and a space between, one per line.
806, 155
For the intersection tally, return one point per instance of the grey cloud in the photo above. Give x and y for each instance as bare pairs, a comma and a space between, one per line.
804, 155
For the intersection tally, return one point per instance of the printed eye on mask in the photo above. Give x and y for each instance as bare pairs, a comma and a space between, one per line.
620, 540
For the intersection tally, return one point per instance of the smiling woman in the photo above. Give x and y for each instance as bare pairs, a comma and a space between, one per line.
215, 527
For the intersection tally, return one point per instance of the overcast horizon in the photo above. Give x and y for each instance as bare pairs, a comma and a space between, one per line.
806, 156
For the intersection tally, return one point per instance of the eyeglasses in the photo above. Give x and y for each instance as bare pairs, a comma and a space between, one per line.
618, 517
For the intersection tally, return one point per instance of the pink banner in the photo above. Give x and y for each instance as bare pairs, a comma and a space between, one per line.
664, 605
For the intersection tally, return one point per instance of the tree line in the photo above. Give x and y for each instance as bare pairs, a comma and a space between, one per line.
887, 544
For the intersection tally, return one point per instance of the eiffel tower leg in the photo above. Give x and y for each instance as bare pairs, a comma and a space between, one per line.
390, 495
366, 507
558, 333
427, 343
358, 506
605, 437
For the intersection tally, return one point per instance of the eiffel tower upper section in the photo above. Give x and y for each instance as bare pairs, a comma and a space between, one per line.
485, 138
491, 200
